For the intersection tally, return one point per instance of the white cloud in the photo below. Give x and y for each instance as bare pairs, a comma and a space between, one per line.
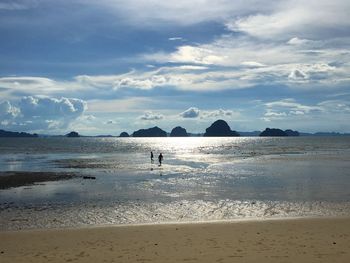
196, 55
191, 112
175, 38
8, 111
150, 116
220, 113
322, 116
297, 18
192, 67
297, 75
194, 112
289, 108
280, 68
291, 104
41, 113
158, 12
252, 64
335, 106
38, 86
278, 63
281, 42
284, 42
297, 41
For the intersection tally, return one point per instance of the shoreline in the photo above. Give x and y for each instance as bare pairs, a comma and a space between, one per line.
323, 239
179, 223
181, 212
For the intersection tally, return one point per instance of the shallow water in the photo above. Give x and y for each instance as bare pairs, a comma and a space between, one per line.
201, 179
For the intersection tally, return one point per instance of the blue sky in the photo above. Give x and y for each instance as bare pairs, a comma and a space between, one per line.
103, 67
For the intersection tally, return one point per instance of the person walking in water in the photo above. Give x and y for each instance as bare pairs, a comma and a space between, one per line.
151, 157
160, 159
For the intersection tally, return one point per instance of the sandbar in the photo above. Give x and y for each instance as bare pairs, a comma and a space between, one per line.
16, 179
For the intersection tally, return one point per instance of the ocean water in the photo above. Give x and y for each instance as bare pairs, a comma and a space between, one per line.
201, 179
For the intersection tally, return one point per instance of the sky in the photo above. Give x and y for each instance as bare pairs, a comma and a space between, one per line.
107, 66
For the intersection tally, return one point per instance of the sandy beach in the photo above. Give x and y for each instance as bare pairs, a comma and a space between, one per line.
280, 240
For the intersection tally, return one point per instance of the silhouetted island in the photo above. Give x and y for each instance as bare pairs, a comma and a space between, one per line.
178, 132
273, 132
4, 133
220, 128
72, 134
124, 134
151, 132
292, 133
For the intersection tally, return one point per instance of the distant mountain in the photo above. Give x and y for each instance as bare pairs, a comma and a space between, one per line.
151, 132
330, 134
220, 128
124, 134
72, 134
178, 132
273, 132
4, 133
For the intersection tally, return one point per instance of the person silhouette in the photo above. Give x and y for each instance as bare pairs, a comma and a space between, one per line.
151, 157
160, 159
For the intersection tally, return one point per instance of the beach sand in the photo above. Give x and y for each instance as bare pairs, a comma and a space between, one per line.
281, 240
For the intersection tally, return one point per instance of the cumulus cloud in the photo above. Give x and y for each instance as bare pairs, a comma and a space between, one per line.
218, 113
8, 111
197, 55
192, 112
150, 116
41, 113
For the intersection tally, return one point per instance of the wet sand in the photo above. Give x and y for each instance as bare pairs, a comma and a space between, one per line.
16, 179
282, 240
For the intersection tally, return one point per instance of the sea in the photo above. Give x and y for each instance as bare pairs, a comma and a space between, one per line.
200, 179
